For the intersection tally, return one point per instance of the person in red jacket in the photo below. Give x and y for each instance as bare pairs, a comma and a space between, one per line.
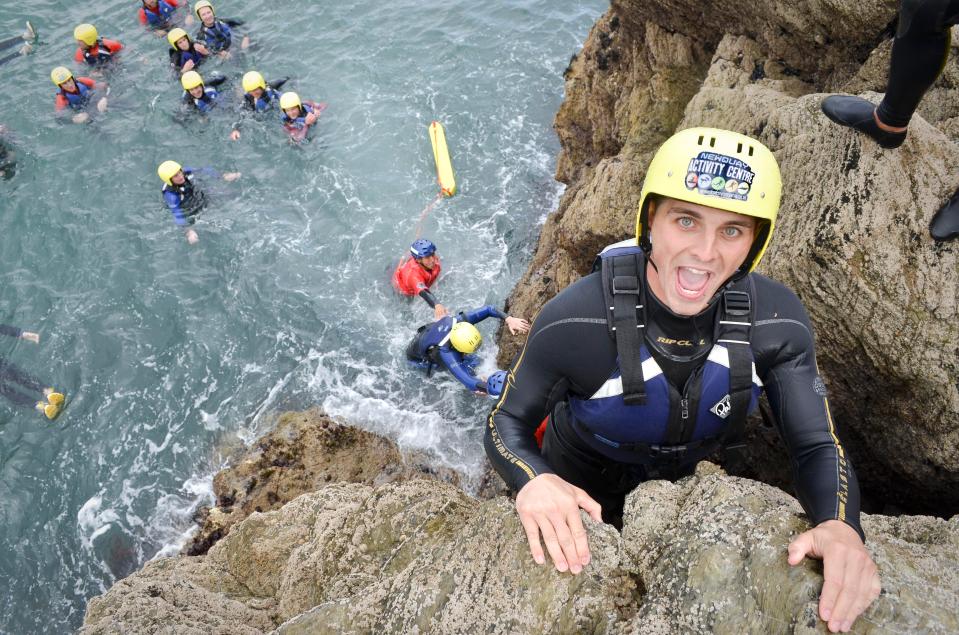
158, 14
416, 275
93, 49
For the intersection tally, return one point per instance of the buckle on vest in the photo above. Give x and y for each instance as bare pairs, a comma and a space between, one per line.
625, 285
736, 303
671, 451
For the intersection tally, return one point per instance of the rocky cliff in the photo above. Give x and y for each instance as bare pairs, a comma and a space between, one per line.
852, 235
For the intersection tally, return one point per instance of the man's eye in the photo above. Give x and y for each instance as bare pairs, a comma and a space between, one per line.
733, 232
685, 221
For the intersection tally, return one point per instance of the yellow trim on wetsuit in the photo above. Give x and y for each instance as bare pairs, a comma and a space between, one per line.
494, 433
843, 492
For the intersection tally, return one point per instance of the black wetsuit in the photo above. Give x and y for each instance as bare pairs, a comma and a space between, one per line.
569, 356
14, 381
919, 54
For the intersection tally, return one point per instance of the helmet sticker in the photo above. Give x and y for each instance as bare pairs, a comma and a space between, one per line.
719, 175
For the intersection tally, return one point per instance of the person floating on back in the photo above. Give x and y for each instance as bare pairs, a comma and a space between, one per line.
919, 54
299, 116
197, 95
22, 389
158, 14
94, 50
181, 195
451, 341
76, 93
415, 275
185, 55
25, 43
215, 33
258, 96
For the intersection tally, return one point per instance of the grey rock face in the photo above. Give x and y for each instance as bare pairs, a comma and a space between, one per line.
704, 555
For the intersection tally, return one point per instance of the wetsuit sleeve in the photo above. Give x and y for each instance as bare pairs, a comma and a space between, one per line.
86, 81
61, 102
428, 297
12, 331
173, 202
278, 83
142, 15
826, 484
78, 56
215, 81
204, 171
113, 45
454, 363
480, 314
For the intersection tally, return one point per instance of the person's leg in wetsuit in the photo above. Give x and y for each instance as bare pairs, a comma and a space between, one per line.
919, 53
14, 382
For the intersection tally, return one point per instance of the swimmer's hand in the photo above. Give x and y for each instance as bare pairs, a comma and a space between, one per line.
187, 67
188, 20
30, 337
231, 176
191, 236
517, 325
235, 135
245, 44
224, 55
439, 311
102, 105
202, 50
81, 117
310, 119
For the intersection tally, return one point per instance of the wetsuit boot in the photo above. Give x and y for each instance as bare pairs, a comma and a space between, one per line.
945, 223
856, 112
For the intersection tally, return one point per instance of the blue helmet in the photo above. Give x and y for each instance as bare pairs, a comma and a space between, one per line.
495, 383
422, 248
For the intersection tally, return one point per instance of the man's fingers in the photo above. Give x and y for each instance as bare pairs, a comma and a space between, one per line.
843, 612
590, 506
552, 544
565, 538
580, 540
832, 584
532, 535
800, 547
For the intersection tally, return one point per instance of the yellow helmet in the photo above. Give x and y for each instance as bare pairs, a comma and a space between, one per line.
60, 74
190, 80
465, 337
176, 35
290, 100
201, 4
86, 33
716, 168
168, 170
252, 81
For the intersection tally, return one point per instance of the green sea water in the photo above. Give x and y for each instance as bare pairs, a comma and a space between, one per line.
172, 354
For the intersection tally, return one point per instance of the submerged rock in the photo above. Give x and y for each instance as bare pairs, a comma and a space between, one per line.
704, 555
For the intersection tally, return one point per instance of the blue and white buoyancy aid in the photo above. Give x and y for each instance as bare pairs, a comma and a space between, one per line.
179, 58
80, 98
265, 101
204, 103
162, 16
704, 407
102, 55
217, 37
299, 122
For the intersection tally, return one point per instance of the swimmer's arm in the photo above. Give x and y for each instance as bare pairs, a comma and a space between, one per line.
179, 216
113, 45
10, 331
480, 314
428, 297
461, 371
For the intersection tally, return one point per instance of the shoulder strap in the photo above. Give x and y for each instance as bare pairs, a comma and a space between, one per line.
623, 292
735, 322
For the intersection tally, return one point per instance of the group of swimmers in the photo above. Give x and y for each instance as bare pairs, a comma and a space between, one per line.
449, 341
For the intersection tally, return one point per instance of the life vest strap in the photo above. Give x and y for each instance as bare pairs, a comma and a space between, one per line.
623, 292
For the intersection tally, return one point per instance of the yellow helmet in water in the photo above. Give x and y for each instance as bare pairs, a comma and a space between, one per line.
290, 100
465, 337
176, 35
86, 33
60, 74
716, 168
190, 80
200, 5
168, 170
252, 81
